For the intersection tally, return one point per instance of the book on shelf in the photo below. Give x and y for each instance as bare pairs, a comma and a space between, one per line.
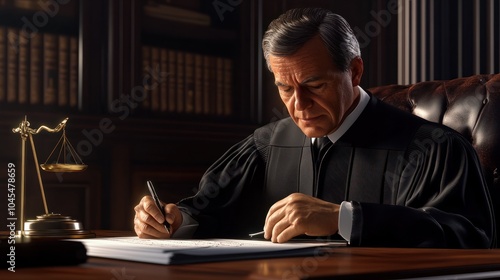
67, 8
63, 73
73, 72
40, 69
227, 87
193, 5
50, 70
146, 73
3, 57
184, 251
208, 75
189, 84
155, 86
171, 78
26, 4
214, 85
180, 82
12, 64
192, 83
164, 80
172, 13
36, 68
198, 84
23, 75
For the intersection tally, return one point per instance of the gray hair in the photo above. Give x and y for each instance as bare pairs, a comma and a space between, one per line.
290, 31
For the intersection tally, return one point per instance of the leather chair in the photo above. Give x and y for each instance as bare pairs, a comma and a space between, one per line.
469, 105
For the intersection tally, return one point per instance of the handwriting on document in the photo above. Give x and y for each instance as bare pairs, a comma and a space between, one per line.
172, 243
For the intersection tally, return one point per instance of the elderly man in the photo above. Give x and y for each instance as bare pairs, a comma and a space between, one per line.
343, 162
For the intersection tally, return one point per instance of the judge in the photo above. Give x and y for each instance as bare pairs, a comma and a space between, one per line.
343, 162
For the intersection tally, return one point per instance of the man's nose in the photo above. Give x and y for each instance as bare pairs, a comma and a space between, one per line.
302, 99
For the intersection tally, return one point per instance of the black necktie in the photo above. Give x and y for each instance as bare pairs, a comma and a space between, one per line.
320, 147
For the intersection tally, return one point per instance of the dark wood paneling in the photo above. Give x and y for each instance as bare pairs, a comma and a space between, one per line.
123, 150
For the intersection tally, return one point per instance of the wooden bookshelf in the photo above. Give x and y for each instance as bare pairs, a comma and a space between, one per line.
39, 56
108, 41
188, 83
88, 62
184, 68
214, 91
154, 27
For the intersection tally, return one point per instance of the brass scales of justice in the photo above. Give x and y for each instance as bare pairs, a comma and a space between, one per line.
67, 160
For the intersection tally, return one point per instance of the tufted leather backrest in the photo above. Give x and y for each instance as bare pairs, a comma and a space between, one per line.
469, 105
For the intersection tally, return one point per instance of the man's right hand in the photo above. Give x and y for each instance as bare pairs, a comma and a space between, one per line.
148, 220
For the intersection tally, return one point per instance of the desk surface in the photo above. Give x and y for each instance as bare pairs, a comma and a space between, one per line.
340, 263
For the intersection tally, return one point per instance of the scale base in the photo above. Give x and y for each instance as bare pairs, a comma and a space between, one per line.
55, 226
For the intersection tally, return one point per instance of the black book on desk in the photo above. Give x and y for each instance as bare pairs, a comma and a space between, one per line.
40, 252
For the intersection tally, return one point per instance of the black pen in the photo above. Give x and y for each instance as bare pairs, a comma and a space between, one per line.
158, 204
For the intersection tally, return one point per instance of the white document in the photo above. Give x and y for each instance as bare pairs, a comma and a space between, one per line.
175, 251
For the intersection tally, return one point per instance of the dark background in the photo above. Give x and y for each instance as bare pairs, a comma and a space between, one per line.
173, 149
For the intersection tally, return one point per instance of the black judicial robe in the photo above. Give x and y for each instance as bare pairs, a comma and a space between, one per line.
412, 183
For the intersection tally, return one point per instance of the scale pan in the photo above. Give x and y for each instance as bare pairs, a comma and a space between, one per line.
63, 167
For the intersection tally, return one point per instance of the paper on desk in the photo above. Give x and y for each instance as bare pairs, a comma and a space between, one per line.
174, 251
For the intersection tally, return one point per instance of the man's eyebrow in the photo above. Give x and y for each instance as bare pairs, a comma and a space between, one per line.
310, 79
280, 84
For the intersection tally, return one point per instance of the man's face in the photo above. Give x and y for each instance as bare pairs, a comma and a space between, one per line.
317, 95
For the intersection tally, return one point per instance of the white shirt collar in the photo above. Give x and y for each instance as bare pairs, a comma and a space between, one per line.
364, 98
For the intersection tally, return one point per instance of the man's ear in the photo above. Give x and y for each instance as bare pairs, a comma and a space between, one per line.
356, 71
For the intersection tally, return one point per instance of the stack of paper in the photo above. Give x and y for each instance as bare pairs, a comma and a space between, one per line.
172, 251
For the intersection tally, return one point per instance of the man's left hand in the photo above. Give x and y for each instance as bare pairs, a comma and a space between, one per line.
301, 214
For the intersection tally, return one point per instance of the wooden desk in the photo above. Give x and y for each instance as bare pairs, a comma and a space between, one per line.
338, 263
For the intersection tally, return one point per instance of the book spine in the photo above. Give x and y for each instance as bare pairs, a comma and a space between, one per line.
65, 8
198, 84
164, 82
180, 82
36, 69
155, 88
207, 76
73, 72
63, 81
146, 66
189, 85
26, 4
23, 75
194, 5
169, 12
219, 87
49, 69
172, 80
12, 63
192, 83
3, 64
228, 86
